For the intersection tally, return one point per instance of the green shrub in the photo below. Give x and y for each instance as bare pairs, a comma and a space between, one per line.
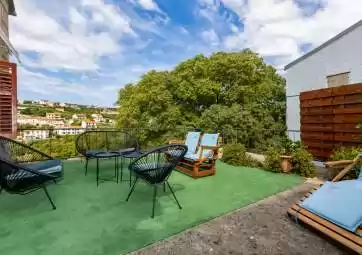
235, 154
348, 153
302, 163
272, 159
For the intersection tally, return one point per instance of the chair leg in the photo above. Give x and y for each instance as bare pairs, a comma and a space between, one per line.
173, 194
86, 166
130, 176
164, 187
132, 189
154, 200
121, 168
97, 172
115, 169
49, 198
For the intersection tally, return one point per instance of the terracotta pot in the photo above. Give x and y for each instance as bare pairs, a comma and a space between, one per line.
286, 163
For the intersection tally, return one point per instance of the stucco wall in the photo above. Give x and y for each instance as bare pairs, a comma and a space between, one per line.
4, 25
343, 55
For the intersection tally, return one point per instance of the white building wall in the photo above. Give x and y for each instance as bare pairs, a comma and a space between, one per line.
35, 134
342, 55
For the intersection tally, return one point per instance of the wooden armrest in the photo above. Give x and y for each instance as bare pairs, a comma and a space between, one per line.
176, 142
209, 147
338, 163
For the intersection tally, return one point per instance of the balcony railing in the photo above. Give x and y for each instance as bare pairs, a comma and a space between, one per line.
60, 142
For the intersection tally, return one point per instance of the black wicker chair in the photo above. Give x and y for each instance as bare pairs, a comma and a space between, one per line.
155, 167
91, 143
24, 169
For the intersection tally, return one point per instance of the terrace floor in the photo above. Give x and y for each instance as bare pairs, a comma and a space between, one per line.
97, 221
262, 228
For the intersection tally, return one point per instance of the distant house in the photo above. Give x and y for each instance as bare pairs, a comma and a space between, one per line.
69, 131
97, 118
62, 104
335, 63
39, 121
79, 116
53, 115
35, 134
110, 111
89, 124
74, 106
41, 102
59, 109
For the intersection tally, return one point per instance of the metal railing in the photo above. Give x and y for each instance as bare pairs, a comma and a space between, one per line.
60, 142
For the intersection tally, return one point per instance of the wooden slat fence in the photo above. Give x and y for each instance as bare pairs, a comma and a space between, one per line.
329, 118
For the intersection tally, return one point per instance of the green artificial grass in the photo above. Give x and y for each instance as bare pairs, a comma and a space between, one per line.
97, 221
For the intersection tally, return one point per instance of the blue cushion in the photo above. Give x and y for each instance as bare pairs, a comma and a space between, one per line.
340, 203
192, 156
192, 141
134, 154
22, 179
53, 167
206, 140
209, 140
126, 150
91, 153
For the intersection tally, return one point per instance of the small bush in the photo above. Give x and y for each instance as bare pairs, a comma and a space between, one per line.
347, 153
235, 154
272, 160
302, 163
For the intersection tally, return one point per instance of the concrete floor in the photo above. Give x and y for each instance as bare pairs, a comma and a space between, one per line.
261, 228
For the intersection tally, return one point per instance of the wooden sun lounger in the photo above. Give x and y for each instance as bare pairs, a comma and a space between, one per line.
344, 237
201, 167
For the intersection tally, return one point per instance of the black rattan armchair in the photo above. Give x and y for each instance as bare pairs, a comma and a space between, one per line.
24, 169
91, 143
155, 167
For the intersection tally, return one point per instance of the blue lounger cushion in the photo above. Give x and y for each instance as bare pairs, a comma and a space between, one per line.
92, 153
206, 140
53, 167
338, 202
192, 141
22, 178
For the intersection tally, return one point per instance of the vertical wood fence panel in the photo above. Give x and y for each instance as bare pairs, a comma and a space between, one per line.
329, 119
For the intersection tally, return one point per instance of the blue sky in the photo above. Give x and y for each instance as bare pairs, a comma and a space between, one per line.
84, 51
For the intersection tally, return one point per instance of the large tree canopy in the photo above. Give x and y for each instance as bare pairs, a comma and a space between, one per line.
229, 91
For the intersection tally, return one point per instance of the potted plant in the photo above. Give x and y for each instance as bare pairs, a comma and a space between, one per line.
286, 163
286, 155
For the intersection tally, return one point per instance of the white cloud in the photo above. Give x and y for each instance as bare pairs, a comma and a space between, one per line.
48, 86
279, 27
238, 6
148, 4
210, 37
73, 47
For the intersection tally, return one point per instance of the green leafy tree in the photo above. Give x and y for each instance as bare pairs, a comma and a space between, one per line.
226, 91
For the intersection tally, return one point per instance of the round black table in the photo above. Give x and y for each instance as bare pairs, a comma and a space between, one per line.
107, 155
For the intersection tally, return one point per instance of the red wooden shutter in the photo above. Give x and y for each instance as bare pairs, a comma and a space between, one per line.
8, 99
